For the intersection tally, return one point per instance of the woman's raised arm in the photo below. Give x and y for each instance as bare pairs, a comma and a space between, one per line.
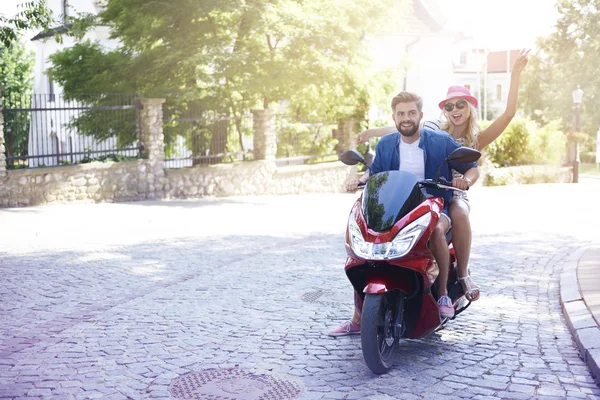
489, 134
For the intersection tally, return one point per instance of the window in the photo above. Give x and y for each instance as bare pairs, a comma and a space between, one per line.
51, 96
499, 92
463, 58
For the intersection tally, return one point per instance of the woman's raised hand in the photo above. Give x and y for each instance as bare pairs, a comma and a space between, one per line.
521, 61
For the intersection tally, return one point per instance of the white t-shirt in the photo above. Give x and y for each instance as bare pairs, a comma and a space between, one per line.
412, 159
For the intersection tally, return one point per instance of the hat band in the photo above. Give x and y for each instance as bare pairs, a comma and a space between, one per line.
457, 94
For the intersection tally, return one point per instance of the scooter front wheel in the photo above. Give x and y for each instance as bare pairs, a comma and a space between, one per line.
378, 331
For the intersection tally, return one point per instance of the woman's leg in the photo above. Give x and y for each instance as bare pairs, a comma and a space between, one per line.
461, 239
351, 327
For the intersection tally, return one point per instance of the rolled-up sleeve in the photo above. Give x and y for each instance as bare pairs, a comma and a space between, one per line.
377, 166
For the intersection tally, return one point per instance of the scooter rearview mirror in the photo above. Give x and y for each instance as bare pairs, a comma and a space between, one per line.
461, 155
352, 157
464, 155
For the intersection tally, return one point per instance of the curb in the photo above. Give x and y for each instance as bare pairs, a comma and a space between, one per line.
583, 326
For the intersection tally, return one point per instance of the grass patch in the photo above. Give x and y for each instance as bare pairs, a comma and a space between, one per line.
526, 174
589, 169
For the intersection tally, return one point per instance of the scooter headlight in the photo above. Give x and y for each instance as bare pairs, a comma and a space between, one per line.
398, 247
360, 247
408, 237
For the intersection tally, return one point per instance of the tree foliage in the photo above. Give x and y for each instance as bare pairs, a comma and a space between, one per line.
16, 79
567, 58
32, 14
237, 55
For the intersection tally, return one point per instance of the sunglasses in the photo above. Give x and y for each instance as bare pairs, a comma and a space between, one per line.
460, 104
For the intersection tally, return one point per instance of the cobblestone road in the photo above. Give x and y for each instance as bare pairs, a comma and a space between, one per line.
115, 301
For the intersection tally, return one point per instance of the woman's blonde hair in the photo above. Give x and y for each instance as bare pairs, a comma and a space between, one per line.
470, 134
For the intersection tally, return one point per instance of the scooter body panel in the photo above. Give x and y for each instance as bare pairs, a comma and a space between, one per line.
414, 273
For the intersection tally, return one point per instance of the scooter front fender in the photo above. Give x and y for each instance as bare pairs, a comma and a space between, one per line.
375, 288
378, 287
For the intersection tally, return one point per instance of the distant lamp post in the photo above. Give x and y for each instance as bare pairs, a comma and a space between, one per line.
577, 98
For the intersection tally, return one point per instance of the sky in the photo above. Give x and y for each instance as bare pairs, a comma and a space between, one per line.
501, 24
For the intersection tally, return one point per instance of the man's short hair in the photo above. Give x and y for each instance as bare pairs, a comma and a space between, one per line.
407, 97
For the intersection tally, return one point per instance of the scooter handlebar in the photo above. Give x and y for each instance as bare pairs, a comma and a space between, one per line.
441, 183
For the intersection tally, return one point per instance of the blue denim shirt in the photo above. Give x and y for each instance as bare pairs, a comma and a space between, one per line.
436, 147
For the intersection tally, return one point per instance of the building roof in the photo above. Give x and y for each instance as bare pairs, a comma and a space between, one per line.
430, 13
57, 30
501, 61
426, 19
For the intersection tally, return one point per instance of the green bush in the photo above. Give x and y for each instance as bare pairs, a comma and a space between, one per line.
523, 142
588, 157
548, 144
512, 147
108, 158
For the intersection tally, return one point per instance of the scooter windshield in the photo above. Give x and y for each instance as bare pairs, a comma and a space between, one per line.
389, 196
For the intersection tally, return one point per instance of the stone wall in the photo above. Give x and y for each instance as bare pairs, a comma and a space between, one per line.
256, 178
128, 181
148, 179
318, 178
94, 182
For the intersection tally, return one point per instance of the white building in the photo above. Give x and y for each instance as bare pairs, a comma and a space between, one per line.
422, 53
487, 75
46, 45
50, 116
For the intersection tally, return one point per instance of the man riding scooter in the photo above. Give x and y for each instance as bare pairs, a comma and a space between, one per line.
419, 151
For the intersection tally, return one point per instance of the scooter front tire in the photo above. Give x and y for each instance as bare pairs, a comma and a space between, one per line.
379, 346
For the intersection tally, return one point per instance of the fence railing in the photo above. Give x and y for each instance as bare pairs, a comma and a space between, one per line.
301, 142
49, 130
200, 137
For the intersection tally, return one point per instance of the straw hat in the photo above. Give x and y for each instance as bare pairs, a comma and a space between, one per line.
458, 92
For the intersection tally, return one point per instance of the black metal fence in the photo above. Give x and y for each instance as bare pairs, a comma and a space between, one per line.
48, 130
199, 137
304, 142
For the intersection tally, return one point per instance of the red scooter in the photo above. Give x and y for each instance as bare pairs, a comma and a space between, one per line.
389, 264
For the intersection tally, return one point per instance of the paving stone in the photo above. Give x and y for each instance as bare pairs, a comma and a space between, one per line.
121, 313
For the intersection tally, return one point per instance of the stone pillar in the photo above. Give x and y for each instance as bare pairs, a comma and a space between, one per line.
2, 148
265, 139
346, 136
153, 142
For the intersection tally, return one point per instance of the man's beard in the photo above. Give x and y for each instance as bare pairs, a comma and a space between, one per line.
410, 132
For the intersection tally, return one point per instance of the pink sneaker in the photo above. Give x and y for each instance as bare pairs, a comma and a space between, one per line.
347, 328
446, 307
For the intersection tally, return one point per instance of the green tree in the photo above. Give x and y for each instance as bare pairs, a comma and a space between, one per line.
16, 78
237, 55
32, 14
566, 58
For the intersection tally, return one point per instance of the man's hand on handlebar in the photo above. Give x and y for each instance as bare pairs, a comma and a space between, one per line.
352, 186
461, 183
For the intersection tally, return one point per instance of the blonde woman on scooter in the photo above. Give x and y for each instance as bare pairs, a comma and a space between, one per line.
460, 121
